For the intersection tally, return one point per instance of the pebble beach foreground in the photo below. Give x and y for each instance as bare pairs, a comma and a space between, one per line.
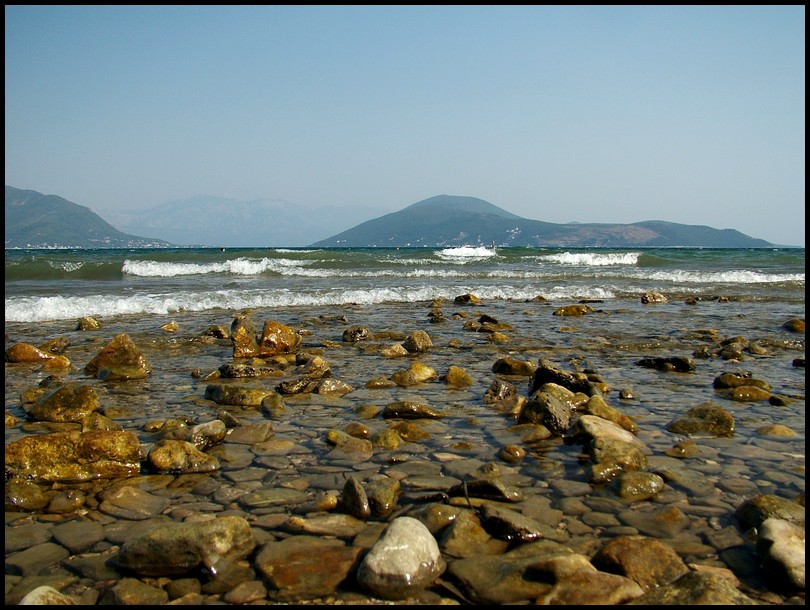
450, 452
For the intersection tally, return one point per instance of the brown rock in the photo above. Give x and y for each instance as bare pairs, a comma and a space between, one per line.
180, 456
75, 456
69, 403
596, 405
512, 366
357, 333
25, 352
179, 548
243, 336
119, 360
573, 310
466, 299
648, 561
706, 418
653, 297
794, 326
278, 338
747, 393
696, 588
417, 373
417, 342
88, 323
457, 377
294, 567
57, 364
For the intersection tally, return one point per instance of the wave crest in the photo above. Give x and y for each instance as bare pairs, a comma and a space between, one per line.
594, 259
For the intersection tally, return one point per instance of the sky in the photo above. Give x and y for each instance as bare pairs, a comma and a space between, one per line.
617, 114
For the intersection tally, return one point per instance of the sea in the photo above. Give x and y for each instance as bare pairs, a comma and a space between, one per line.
168, 299
66, 284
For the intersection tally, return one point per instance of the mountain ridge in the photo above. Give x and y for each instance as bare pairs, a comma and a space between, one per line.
226, 221
34, 220
449, 220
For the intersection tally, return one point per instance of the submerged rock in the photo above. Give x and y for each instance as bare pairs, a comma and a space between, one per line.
179, 548
120, 360
75, 456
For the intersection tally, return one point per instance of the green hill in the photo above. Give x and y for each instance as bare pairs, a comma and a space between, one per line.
447, 220
34, 220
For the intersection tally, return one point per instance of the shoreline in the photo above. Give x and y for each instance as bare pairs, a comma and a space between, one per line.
706, 489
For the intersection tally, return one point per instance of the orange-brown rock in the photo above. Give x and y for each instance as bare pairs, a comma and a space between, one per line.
243, 336
75, 456
120, 359
71, 402
25, 352
278, 338
573, 310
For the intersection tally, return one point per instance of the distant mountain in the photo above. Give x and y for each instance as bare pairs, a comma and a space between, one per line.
34, 220
447, 220
220, 221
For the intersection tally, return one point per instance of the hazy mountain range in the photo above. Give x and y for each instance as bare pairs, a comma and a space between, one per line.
220, 221
34, 220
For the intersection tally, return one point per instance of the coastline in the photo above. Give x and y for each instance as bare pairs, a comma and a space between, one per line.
553, 472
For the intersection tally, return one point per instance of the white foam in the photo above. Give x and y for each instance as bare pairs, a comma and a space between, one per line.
593, 259
466, 252
23, 309
237, 266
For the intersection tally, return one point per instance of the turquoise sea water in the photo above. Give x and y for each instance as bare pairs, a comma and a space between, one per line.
43, 285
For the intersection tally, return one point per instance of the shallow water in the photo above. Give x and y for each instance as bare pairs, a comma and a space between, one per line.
610, 342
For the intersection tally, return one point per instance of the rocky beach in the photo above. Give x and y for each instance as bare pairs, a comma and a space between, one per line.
403, 305
459, 450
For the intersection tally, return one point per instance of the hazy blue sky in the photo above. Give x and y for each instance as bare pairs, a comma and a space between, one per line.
690, 114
